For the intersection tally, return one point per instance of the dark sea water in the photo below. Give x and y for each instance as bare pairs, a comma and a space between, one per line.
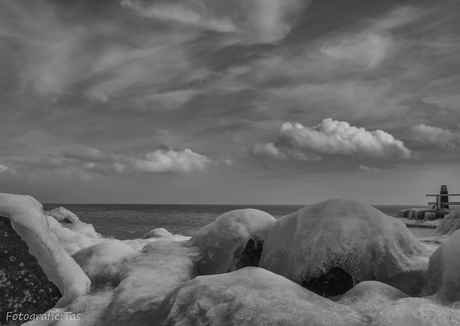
133, 221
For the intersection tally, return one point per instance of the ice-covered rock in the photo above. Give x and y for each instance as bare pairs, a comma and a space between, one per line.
162, 233
103, 262
341, 234
416, 312
449, 224
250, 296
75, 238
29, 221
63, 215
443, 275
24, 286
222, 242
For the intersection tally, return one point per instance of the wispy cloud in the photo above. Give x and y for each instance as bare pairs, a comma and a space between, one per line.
253, 21
434, 135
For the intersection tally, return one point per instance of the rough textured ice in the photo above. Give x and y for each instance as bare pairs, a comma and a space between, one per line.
358, 238
250, 296
416, 312
63, 215
161, 233
369, 297
222, 241
29, 221
449, 224
443, 275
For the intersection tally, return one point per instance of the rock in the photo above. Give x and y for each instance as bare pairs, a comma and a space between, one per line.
404, 212
63, 215
369, 298
429, 216
416, 312
418, 214
410, 282
247, 297
28, 220
449, 224
223, 241
357, 238
162, 233
23, 284
443, 274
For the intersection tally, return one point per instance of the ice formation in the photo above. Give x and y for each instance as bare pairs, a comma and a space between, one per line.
153, 280
29, 221
361, 240
223, 241
443, 274
449, 224
250, 296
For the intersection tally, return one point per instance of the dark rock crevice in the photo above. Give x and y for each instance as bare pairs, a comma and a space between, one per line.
251, 253
334, 282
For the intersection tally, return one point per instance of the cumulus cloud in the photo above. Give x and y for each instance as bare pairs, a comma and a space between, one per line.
435, 135
330, 138
162, 161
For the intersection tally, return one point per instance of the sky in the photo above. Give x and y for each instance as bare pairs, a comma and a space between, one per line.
229, 102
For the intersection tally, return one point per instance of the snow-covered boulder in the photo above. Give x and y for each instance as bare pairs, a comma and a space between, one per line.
449, 224
250, 296
63, 215
416, 312
443, 275
222, 242
343, 236
29, 221
162, 233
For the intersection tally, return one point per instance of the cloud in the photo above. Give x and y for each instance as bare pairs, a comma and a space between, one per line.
367, 49
252, 21
6, 169
332, 138
162, 161
435, 135
368, 169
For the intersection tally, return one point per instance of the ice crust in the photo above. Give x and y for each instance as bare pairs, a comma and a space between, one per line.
29, 221
155, 280
222, 241
366, 243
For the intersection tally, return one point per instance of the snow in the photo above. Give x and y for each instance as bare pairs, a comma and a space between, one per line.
449, 224
366, 243
443, 274
153, 280
222, 241
29, 221
250, 296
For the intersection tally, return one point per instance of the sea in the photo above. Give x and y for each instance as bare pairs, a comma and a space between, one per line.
132, 221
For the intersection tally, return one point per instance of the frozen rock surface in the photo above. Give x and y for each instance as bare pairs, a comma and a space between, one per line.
449, 224
24, 286
222, 242
161, 233
152, 281
416, 312
251, 296
63, 215
443, 275
357, 238
29, 221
